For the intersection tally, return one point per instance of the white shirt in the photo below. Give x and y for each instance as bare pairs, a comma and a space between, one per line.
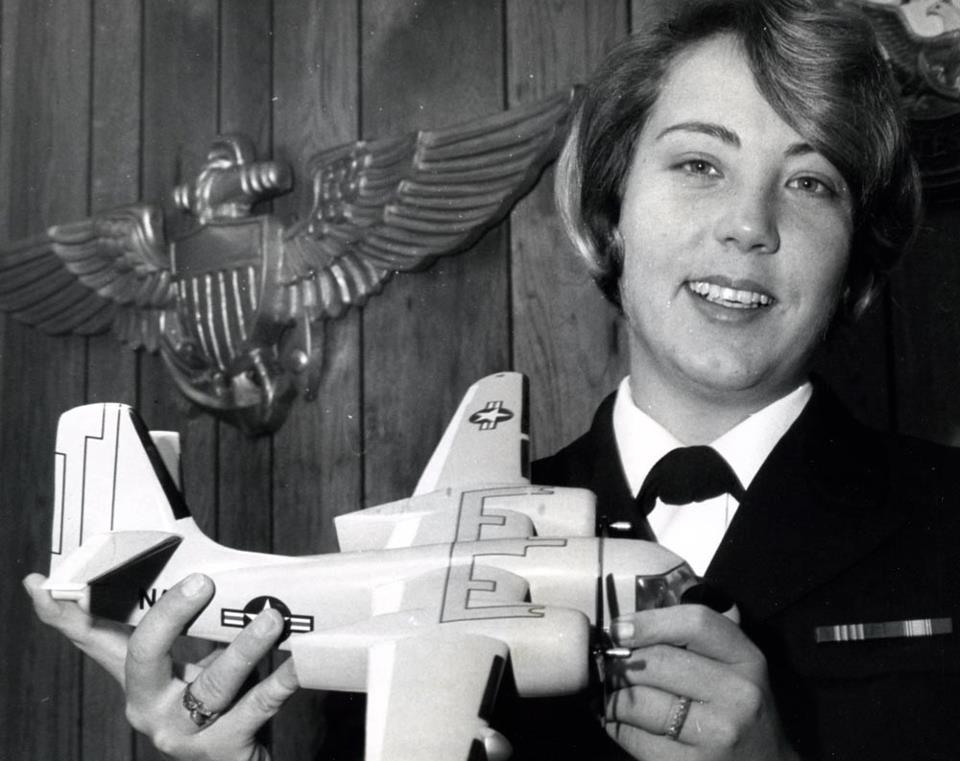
694, 531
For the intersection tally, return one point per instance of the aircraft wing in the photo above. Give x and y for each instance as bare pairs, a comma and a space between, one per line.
476, 485
430, 696
487, 440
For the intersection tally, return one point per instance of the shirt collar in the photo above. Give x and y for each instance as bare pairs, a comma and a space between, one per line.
641, 441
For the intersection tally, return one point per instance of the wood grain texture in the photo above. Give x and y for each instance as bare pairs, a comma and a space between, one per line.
317, 471
244, 506
112, 368
44, 134
566, 337
428, 336
114, 164
180, 96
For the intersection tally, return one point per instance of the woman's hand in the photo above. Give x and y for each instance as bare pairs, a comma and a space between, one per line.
693, 687
210, 723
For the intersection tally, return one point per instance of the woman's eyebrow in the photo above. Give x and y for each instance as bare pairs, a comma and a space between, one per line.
704, 128
800, 149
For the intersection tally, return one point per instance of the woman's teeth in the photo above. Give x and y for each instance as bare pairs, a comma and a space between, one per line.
729, 297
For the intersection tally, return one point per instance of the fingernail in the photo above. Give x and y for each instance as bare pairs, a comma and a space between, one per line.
264, 624
193, 585
623, 631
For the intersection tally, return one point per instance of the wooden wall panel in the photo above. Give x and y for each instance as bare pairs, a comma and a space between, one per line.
428, 336
317, 471
566, 337
44, 140
180, 99
179, 121
243, 466
112, 368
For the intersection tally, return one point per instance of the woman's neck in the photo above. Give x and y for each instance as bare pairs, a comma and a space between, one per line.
695, 417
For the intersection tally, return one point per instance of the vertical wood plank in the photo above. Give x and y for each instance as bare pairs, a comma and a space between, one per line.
44, 133
429, 335
180, 98
317, 465
179, 122
244, 462
566, 337
112, 367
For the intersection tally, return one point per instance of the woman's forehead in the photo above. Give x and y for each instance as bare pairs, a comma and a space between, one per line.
712, 86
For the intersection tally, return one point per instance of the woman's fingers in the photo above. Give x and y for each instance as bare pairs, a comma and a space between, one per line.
694, 627
149, 667
104, 641
642, 744
653, 710
669, 668
263, 700
217, 685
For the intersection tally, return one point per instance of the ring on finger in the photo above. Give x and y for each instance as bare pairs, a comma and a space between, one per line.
197, 710
677, 717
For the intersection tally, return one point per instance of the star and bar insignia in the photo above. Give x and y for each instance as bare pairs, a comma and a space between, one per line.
239, 618
491, 416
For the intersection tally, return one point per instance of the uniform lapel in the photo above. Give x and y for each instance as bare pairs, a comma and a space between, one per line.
594, 461
819, 504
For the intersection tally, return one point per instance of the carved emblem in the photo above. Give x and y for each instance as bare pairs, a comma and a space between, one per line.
232, 304
921, 39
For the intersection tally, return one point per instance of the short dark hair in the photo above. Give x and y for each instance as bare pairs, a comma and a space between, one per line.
819, 66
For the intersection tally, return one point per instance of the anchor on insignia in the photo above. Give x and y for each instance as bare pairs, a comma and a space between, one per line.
234, 305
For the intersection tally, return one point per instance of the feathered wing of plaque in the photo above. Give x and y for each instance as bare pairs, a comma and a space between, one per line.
921, 39
230, 304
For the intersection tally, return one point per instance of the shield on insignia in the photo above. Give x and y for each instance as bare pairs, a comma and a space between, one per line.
219, 272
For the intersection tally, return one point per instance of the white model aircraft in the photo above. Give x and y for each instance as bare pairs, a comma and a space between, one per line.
429, 600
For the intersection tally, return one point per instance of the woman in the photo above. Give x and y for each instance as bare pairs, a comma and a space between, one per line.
738, 180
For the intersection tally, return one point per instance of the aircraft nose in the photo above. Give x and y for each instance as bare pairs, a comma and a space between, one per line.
639, 575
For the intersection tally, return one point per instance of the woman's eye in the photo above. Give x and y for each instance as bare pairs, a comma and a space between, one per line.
812, 185
699, 167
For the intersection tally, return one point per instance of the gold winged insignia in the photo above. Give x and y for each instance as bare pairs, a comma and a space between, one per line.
230, 304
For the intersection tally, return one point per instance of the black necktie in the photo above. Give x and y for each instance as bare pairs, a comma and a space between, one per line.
688, 474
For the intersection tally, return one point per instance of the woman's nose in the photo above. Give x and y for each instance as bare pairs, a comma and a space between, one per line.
748, 221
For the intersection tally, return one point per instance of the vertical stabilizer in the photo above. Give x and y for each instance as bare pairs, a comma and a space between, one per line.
110, 477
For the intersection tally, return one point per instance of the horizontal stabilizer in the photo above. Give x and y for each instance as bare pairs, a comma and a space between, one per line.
103, 554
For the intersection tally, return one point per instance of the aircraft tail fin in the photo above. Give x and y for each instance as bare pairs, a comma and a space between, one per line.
110, 476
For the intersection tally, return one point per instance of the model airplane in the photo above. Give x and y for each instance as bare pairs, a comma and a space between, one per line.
430, 599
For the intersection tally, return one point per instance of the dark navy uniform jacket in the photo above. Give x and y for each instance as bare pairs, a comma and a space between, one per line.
842, 525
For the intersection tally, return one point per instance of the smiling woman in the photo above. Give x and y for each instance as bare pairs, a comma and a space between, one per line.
738, 130
737, 180
735, 236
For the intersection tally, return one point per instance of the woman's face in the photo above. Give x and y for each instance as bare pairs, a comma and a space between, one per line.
736, 237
